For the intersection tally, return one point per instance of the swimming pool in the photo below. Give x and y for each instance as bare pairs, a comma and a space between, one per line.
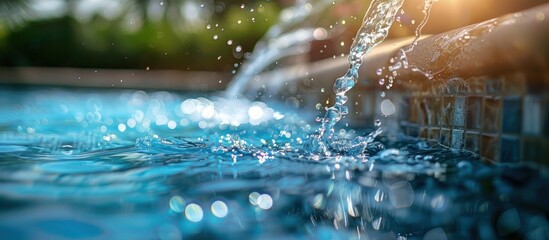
129, 164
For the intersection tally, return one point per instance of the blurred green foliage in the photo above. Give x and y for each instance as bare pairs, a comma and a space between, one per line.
102, 42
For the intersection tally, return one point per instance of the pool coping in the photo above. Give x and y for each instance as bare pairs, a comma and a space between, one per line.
115, 78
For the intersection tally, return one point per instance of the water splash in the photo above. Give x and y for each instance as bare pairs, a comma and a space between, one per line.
426, 14
157, 183
280, 41
285, 45
450, 46
400, 61
374, 30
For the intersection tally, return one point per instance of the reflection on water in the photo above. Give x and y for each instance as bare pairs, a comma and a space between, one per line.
189, 167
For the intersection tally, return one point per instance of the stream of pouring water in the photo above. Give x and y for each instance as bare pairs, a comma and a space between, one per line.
401, 60
374, 29
280, 41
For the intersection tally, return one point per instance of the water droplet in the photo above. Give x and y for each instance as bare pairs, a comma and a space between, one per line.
377, 123
318, 201
387, 107
320, 34
376, 224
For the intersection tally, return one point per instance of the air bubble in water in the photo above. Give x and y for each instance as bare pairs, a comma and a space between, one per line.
379, 71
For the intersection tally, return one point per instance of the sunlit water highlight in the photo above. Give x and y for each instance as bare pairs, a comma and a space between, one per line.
69, 171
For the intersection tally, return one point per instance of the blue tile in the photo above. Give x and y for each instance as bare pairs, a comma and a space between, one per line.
447, 111
533, 150
512, 115
474, 112
510, 150
491, 121
532, 116
459, 112
445, 137
489, 146
457, 138
472, 142
546, 120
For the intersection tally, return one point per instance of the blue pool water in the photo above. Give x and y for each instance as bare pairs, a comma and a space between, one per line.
121, 164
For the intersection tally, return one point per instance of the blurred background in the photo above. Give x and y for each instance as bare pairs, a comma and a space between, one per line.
206, 35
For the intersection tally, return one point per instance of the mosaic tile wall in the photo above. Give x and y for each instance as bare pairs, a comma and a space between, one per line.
503, 119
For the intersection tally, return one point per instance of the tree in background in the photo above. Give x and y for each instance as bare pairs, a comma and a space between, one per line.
194, 35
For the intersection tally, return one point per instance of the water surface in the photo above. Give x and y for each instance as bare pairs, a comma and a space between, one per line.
112, 164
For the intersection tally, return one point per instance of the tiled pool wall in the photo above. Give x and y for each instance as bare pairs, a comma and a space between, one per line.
503, 118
